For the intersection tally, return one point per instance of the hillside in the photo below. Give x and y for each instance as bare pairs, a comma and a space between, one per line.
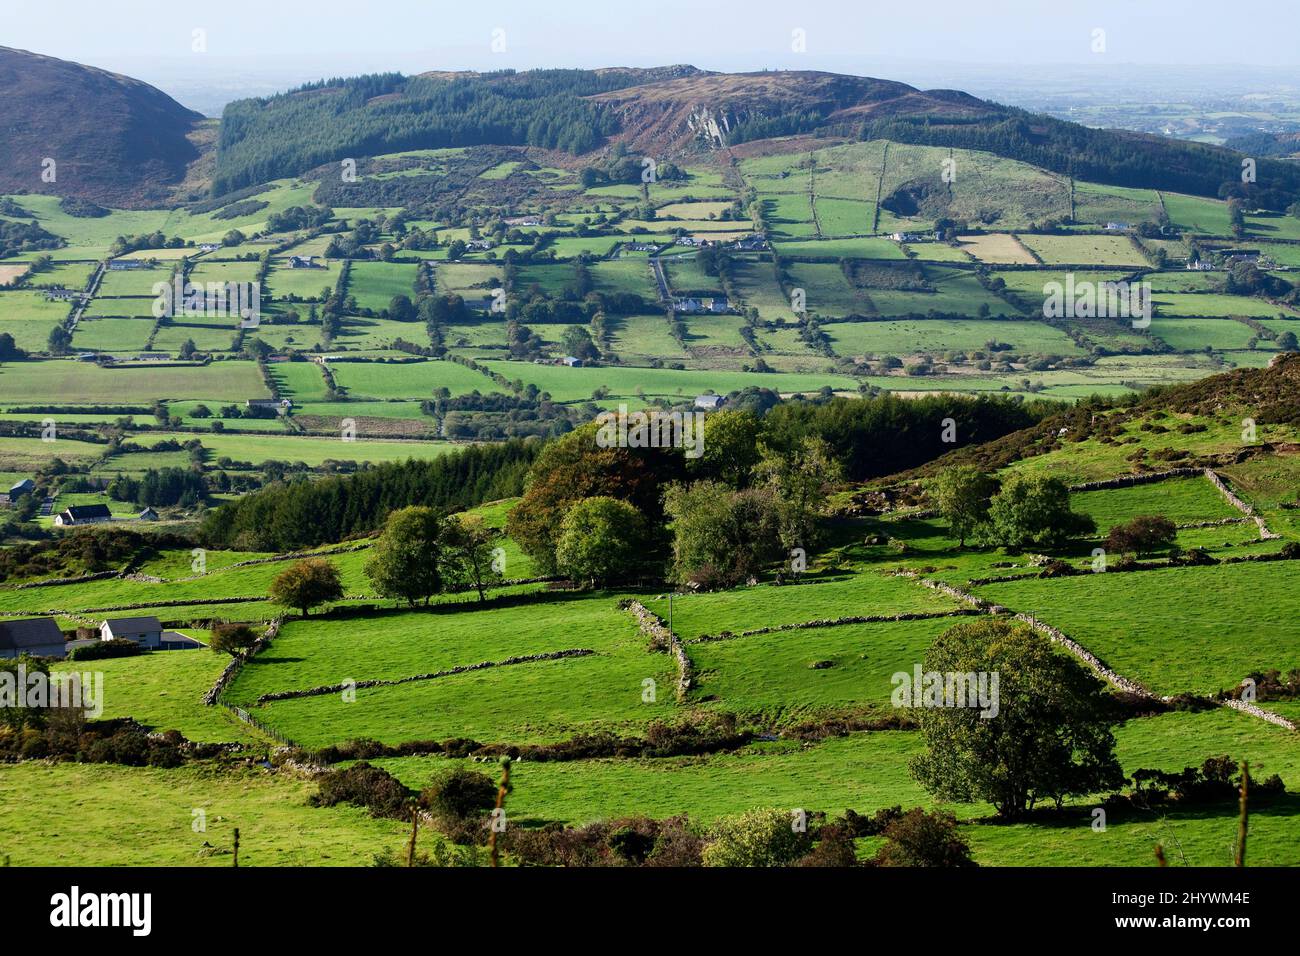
678, 112
1196, 424
115, 139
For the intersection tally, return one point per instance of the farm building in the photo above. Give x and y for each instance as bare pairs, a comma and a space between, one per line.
83, 514
275, 403
572, 361
709, 403
24, 487
39, 636
120, 265
148, 514
303, 262
209, 246
143, 630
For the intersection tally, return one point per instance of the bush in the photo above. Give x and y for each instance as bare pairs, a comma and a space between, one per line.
459, 794
364, 786
103, 650
924, 839
765, 837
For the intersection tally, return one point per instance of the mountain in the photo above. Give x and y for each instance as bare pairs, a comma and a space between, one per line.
675, 111
114, 140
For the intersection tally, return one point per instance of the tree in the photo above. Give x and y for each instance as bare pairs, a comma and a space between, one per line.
1143, 534
731, 451
1033, 510
1049, 738
1287, 342
962, 495
404, 561
918, 838
468, 554
577, 342
763, 837
400, 309
721, 537
59, 341
306, 584
574, 467
600, 539
800, 480
232, 639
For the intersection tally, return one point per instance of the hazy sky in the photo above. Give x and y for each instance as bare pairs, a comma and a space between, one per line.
278, 43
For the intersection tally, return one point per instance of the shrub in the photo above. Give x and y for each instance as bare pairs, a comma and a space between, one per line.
764, 837
924, 839
102, 650
459, 794
364, 786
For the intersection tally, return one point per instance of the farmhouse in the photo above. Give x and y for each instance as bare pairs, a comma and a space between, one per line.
303, 262
716, 304
146, 631
39, 636
572, 361
83, 514
905, 236
1199, 265
209, 246
709, 403
1117, 227
523, 221
61, 295
756, 241
276, 403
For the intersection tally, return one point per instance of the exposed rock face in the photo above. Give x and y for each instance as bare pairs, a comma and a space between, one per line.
703, 111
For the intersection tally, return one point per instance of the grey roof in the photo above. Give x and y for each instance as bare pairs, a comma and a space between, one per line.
30, 632
133, 625
21, 485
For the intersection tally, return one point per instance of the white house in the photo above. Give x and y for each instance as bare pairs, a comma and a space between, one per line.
709, 403
146, 631
83, 514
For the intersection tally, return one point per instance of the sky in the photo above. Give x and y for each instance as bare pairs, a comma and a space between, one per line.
247, 43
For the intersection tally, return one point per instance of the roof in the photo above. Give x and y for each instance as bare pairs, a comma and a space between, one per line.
30, 632
81, 512
19, 485
133, 625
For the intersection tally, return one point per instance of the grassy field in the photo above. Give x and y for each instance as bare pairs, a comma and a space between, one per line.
1201, 630
58, 382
